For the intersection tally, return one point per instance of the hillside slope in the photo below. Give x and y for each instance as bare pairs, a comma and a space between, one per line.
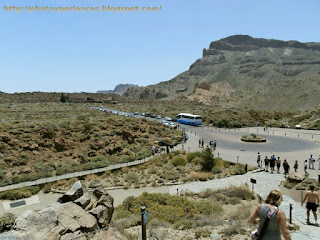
241, 71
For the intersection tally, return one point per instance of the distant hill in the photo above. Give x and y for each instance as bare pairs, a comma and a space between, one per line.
246, 72
39, 97
119, 89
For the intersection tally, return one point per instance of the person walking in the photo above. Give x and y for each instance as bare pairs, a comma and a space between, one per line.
215, 144
278, 162
305, 164
258, 159
318, 163
199, 142
202, 142
286, 167
312, 203
311, 162
277, 224
295, 166
153, 149
266, 164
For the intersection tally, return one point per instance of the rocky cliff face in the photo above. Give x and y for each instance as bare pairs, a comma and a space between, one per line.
77, 214
242, 71
119, 89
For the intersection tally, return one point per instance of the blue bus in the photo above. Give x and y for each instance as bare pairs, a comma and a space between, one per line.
188, 118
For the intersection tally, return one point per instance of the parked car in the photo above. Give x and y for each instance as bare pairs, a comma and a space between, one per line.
158, 117
168, 118
135, 113
175, 126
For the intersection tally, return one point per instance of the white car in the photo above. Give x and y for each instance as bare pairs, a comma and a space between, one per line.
165, 123
168, 118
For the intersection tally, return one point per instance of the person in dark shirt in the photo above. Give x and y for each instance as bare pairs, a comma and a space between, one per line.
272, 163
286, 167
266, 164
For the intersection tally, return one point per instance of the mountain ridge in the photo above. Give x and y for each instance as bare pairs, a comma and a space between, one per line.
242, 71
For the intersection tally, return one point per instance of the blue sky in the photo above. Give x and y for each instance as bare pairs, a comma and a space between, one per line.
86, 52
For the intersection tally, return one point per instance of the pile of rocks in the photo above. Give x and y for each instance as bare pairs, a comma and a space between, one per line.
77, 214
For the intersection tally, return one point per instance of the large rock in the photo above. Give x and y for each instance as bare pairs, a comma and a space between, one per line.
295, 177
75, 192
71, 219
111, 234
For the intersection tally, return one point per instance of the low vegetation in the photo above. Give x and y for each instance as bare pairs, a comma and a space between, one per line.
160, 170
43, 140
198, 215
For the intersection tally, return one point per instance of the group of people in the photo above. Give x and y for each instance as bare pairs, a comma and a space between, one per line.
273, 162
310, 163
272, 221
212, 144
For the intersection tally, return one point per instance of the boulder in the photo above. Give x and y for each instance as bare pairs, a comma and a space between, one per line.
74, 193
84, 200
111, 234
295, 177
75, 215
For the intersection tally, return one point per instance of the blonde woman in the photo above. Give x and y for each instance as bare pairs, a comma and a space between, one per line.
277, 223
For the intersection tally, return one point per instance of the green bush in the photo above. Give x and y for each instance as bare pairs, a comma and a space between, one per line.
202, 233
191, 156
172, 175
132, 178
7, 221
197, 160
178, 161
216, 170
203, 207
208, 160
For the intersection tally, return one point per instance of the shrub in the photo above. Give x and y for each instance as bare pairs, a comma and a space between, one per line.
197, 160
183, 224
178, 161
202, 233
202, 176
7, 221
132, 178
203, 207
191, 156
172, 175
208, 160
216, 170
47, 188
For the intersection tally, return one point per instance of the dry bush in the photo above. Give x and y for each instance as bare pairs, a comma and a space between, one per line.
200, 176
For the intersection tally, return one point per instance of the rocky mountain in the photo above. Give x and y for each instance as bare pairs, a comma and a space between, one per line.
119, 89
246, 72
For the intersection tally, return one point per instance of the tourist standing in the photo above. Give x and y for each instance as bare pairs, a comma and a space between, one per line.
312, 203
278, 162
153, 150
258, 159
266, 164
305, 164
318, 163
311, 162
286, 167
295, 166
272, 163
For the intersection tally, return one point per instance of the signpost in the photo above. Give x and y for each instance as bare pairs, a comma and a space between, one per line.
253, 181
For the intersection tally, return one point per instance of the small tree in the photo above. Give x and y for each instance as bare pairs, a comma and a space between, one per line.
62, 98
208, 159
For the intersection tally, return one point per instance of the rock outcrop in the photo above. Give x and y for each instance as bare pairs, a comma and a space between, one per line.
254, 73
78, 214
